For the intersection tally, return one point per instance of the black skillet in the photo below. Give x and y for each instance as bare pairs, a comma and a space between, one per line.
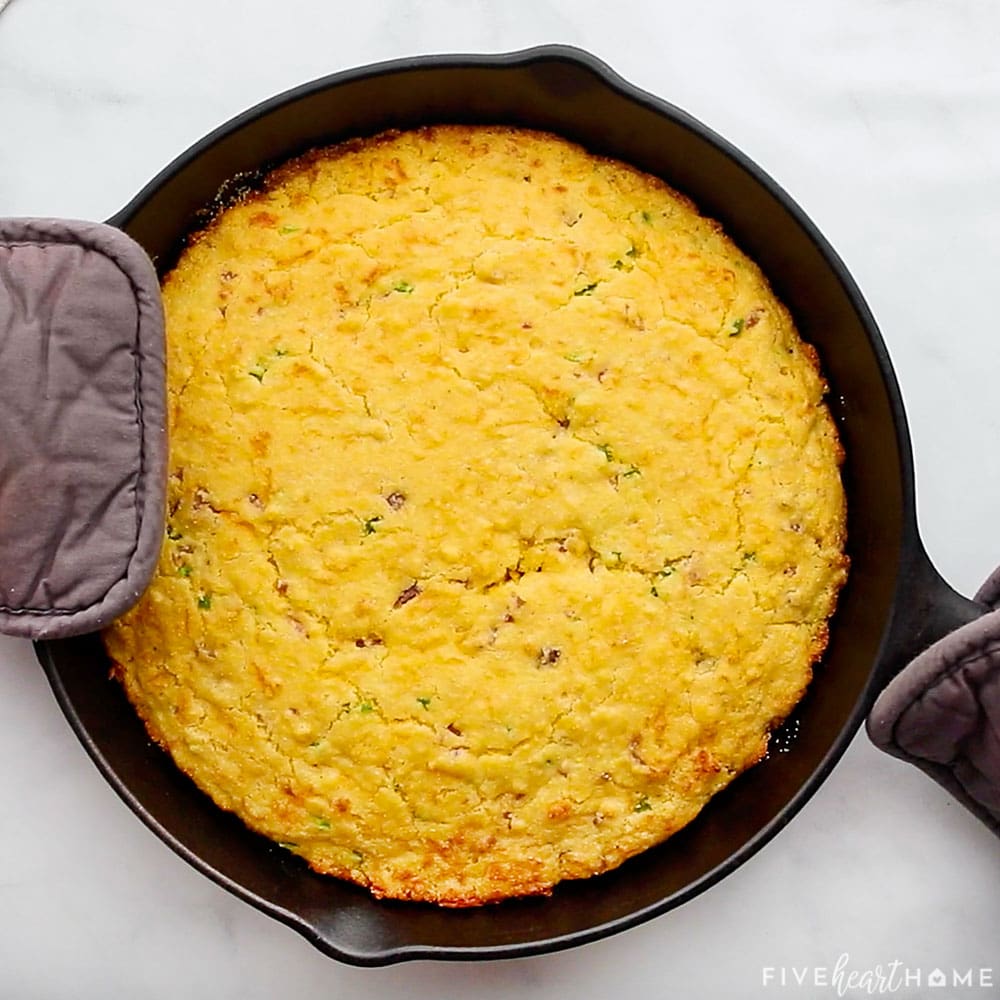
894, 605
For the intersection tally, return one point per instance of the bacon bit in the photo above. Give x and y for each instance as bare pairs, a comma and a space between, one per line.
263, 219
407, 595
281, 586
560, 810
396, 500
453, 729
753, 317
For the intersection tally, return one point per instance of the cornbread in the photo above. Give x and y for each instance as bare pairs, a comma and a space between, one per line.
505, 516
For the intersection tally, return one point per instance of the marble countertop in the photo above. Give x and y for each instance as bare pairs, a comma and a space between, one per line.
882, 119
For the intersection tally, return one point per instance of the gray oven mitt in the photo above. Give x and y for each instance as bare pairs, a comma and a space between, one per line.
82, 426
942, 711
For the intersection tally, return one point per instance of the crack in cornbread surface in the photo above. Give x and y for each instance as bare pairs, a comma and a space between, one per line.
505, 514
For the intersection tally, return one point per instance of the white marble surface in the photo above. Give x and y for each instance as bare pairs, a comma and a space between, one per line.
882, 119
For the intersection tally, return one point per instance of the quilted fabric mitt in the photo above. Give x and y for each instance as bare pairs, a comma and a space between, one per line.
82, 426
942, 711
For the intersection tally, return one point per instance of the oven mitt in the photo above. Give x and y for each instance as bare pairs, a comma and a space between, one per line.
942, 711
82, 426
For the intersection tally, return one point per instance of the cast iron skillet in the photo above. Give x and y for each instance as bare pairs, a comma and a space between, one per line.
894, 604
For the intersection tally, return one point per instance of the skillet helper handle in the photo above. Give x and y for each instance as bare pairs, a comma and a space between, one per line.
82, 426
940, 708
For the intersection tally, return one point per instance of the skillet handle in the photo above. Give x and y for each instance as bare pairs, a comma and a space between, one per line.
928, 609
938, 707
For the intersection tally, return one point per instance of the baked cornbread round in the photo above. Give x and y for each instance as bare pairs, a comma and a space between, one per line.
505, 516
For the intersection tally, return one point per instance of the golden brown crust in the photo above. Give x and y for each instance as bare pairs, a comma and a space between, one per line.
505, 514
